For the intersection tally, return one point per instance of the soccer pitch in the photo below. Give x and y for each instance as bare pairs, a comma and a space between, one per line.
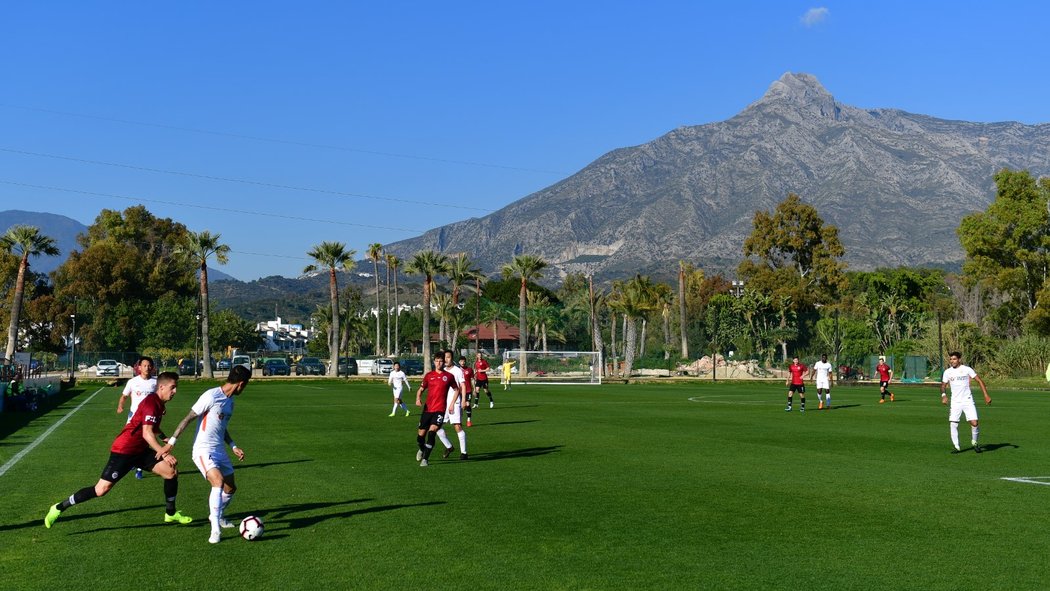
678, 486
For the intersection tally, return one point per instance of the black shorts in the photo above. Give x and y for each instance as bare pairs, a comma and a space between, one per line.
800, 388
482, 383
431, 418
884, 384
120, 464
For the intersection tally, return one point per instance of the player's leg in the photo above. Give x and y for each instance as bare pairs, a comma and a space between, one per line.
445, 442
791, 393
802, 399
469, 411
462, 435
429, 446
827, 395
116, 468
953, 425
882, 392
171, 490
970, 410
397, 400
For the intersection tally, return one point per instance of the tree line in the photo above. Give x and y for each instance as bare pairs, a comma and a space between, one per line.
136, 279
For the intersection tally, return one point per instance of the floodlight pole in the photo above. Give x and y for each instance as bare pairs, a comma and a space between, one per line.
73, 348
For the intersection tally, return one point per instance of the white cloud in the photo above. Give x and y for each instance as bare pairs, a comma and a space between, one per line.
814, 16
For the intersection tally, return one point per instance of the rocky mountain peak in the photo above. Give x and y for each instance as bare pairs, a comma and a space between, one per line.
800, 91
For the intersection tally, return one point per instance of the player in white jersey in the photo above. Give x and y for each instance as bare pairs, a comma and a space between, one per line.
215, 407
456, 403
396, 379
136, 390
822, 369
959, 376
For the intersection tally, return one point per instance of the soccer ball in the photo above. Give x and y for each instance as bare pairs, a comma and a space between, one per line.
251, 528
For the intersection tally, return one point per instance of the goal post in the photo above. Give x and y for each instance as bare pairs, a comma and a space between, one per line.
551, 367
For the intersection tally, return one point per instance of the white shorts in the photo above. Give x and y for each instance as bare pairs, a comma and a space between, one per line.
967, 408
823, 384
455, 416
214, 459
397, 393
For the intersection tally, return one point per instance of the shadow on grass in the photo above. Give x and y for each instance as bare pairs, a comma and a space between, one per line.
287, 515
997, 446
66, 517
838, 406
527, 452
506, 423
268, 464
13, 420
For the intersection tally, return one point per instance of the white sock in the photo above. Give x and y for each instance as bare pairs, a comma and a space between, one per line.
828, 396
462, 441
954, 428
973, 433
226, 498
393, 410
444, 438
215, 507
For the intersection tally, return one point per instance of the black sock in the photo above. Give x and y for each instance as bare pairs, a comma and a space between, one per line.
802, 403
171, 490
85, 494
470, 411
789, 401
490, 396
431, 438
420, 439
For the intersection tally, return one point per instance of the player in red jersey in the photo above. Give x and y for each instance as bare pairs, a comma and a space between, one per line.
885, 375
468, 386
796, 384
436, 384
481, 376
137, 446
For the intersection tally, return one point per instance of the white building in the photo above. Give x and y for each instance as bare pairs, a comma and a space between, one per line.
278, 336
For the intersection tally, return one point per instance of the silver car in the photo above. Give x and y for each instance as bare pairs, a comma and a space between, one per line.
107, 367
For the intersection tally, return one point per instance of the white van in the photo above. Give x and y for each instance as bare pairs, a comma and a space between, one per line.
382, 366
244, 360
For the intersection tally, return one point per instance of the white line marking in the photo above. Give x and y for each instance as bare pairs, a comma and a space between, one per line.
311, 387
1044, 480
18, 456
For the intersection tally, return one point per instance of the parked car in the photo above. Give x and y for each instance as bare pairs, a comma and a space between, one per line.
309, 366
412, 367
186, 367
382, 367
276, 367
223, 365
107, 367
347, 366
244, 360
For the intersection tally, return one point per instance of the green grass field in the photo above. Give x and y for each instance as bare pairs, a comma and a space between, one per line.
682, 486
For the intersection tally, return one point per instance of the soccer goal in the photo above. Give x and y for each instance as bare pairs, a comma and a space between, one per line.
551, 367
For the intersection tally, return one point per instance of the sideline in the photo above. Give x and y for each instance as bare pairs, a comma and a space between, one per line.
1029, 479
18, 456
718, 399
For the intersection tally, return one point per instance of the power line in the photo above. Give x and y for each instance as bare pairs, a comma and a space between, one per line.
286, 142
237, 180
206, 207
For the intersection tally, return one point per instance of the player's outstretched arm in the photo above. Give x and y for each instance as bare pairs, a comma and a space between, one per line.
233, 446
178, 430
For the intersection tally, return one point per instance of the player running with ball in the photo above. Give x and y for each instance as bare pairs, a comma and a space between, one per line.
215, 407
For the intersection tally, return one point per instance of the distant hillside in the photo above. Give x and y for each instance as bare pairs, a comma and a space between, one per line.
896, 184
65, 231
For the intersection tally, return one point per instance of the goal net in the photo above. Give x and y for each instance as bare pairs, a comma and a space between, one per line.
551, 367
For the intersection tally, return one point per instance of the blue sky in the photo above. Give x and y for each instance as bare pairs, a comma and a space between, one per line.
385, 111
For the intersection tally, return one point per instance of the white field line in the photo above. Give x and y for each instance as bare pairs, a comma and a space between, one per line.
18, 456
310, 387
713, 400
1044, 480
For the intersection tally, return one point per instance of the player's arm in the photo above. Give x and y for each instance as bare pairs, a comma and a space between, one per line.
178, 429
419, 393
944, 395
120, 401
236, 450
984, 390
150, 435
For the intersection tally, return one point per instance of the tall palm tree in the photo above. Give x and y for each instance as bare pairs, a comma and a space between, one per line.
23, 242
386, 319
492, 312
665, 298
461, 273
429, 264
526, 267
375, 251
199, 248
681, 309
633, 299
333, 256
394, 263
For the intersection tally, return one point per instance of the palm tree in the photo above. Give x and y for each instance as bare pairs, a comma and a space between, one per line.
665, 298
429, 264
23, 242
461, 272
681, 309
491, 312
527, 267
386, 265
199, 248
393, 263
375, 251
633, 299
333, 256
